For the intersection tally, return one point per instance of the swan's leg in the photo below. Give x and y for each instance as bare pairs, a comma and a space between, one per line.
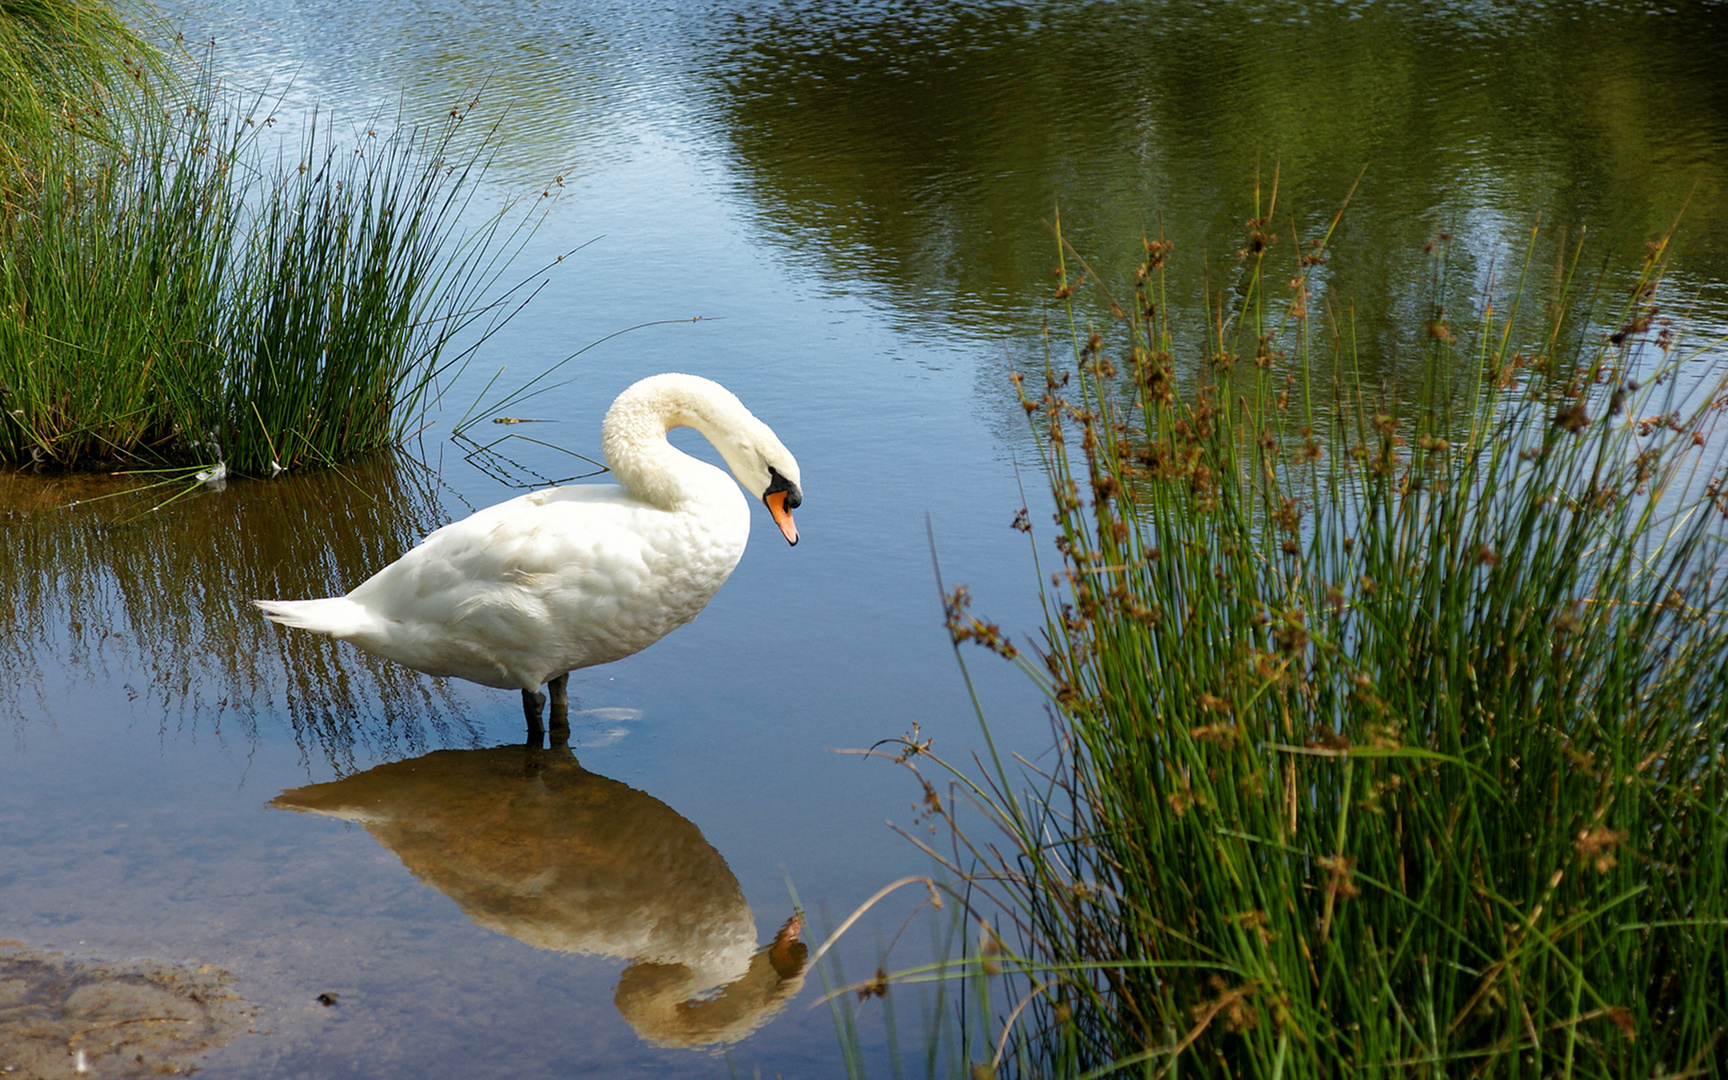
560, 703
532, 702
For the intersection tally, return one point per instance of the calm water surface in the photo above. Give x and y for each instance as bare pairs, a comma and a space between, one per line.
853, 196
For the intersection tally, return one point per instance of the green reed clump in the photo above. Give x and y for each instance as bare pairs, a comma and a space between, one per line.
185, 297
353, 280
111, 276
1393, 733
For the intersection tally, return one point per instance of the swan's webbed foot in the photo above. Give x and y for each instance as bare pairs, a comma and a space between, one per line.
532, 702
560, 705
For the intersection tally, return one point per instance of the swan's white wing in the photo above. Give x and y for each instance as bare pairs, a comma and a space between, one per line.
550, 581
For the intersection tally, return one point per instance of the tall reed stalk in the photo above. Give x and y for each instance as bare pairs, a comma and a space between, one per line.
1393, 733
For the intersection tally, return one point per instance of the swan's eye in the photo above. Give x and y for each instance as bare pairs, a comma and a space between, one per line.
779, 483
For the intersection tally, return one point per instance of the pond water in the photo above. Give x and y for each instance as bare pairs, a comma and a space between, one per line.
853, 197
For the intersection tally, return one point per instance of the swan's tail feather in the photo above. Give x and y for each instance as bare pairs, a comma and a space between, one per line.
337, 616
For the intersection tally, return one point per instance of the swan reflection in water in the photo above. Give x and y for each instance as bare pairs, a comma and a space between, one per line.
531, 844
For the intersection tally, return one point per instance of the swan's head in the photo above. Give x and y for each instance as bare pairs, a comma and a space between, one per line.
768, 471
649, 408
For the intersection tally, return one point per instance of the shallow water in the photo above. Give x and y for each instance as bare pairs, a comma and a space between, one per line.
853, 197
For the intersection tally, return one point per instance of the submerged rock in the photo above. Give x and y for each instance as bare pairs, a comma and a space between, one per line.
65, 1017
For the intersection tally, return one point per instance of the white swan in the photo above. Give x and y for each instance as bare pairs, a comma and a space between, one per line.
524, 592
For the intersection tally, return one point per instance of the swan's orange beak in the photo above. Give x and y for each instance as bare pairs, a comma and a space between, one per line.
782, 517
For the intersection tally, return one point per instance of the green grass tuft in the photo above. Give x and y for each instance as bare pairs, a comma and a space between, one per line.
179, 294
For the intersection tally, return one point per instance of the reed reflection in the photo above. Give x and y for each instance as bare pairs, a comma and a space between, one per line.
530, 844
98, 587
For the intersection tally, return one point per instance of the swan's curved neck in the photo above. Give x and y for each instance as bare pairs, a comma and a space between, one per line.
633, 436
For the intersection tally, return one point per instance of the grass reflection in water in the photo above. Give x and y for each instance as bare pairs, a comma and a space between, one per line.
105, 589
